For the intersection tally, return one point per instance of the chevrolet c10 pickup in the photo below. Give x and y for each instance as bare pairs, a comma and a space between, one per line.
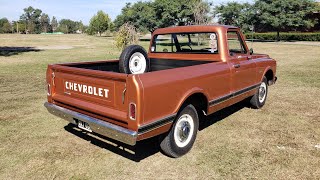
188, 72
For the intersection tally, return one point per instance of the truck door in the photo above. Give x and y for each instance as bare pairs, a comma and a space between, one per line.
243, 69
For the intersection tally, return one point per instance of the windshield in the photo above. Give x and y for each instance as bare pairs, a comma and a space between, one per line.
205, 43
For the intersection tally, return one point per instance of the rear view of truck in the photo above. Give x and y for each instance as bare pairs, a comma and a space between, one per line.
165, 91
95, 98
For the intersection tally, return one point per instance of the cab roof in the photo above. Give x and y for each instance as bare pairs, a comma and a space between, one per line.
193, 28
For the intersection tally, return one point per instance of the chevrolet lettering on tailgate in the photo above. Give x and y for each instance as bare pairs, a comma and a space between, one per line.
86, 89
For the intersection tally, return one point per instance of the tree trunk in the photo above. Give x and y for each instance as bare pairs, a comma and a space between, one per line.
278, 35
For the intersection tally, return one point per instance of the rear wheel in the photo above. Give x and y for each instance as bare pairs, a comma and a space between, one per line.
259, 99
183, 133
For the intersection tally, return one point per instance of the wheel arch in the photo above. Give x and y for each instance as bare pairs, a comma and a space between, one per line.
269, 74
198, 98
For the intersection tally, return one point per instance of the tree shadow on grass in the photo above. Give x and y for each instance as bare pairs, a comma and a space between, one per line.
10, 51
148, 147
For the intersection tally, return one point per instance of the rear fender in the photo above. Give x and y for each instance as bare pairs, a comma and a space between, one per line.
188, 94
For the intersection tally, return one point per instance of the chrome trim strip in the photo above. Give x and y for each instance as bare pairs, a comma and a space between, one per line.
232, 95
156, 124
220, 100
98, 126
242, 91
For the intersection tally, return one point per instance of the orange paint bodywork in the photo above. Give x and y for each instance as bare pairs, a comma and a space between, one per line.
160, 94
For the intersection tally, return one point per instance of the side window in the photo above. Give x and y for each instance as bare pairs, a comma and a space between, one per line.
235, 43
163, 43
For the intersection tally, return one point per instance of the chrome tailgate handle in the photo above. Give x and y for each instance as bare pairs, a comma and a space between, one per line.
53, 76
124, 93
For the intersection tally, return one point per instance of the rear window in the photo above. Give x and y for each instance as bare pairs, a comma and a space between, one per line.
205, 43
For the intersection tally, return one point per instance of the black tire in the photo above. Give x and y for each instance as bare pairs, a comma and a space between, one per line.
256, 100
172, 145
127, 54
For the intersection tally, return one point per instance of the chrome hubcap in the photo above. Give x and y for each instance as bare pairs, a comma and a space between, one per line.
183, 130
262, 92
137, 63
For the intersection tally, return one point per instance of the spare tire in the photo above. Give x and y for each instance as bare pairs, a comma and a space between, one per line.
134, 60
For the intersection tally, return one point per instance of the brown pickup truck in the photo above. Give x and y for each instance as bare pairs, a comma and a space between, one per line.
188, 72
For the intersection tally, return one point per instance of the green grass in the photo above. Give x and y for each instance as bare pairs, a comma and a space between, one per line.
275, 142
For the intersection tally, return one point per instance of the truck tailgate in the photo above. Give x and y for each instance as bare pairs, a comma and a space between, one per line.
91, 91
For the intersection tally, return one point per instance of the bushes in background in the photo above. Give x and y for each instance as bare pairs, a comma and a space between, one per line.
126, 35
272, 36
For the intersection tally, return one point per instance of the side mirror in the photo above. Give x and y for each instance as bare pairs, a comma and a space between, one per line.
251, 51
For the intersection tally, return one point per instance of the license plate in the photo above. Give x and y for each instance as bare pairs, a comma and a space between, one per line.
84, 126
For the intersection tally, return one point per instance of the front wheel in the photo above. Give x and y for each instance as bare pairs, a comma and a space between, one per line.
260, 97
182, 135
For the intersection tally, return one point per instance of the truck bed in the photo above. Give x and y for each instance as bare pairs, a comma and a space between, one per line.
156, 64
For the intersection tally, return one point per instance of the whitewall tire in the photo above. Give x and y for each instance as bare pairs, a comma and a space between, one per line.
259, 98
183, 133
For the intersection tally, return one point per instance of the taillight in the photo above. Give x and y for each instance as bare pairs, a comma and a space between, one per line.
132, 111
49, 90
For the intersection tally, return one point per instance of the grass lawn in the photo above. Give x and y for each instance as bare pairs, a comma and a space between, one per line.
279, 141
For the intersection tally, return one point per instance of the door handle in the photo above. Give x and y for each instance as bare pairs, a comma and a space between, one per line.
236, 65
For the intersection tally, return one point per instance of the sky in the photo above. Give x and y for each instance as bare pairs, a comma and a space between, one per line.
71, 9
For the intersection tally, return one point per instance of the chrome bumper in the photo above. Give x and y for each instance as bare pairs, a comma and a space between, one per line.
98, 126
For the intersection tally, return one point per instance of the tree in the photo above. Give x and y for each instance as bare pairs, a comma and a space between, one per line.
236, 14
31, 17
141, 15
174, 13
45, 22
18, 26
5, 26
80, 27
99, 23
67, 26
200, 12
54, 24
159, 13
112, 27
285, 15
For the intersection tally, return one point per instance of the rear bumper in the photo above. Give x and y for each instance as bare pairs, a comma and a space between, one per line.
98, 126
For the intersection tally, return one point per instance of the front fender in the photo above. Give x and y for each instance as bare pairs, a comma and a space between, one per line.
265, 72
